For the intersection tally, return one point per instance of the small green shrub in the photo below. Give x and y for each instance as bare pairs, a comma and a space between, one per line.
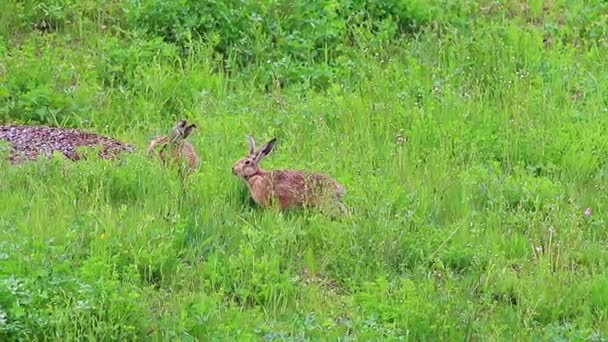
281, 42
42, 91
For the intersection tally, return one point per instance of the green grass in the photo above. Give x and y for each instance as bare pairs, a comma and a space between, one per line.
469, 150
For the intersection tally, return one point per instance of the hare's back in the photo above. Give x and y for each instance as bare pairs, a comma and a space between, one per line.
301, 180
156, 142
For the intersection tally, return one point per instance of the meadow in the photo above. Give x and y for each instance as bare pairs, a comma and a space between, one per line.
470, 136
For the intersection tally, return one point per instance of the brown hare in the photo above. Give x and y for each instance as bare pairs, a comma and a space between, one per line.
286, 188
176, 143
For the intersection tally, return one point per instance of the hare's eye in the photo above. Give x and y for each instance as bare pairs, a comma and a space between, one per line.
247, 162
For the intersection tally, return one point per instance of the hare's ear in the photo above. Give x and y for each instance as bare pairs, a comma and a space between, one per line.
188, 130
251, 145
265, 150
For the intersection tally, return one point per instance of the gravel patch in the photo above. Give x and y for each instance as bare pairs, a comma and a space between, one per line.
29, 142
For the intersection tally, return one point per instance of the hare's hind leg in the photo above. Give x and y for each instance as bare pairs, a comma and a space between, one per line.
334, 207
340, 194
343, 209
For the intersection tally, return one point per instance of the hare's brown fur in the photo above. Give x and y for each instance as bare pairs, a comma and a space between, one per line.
179, 151
286, 188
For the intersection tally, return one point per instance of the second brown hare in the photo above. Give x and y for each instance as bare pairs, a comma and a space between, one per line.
181, 151
287, 188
